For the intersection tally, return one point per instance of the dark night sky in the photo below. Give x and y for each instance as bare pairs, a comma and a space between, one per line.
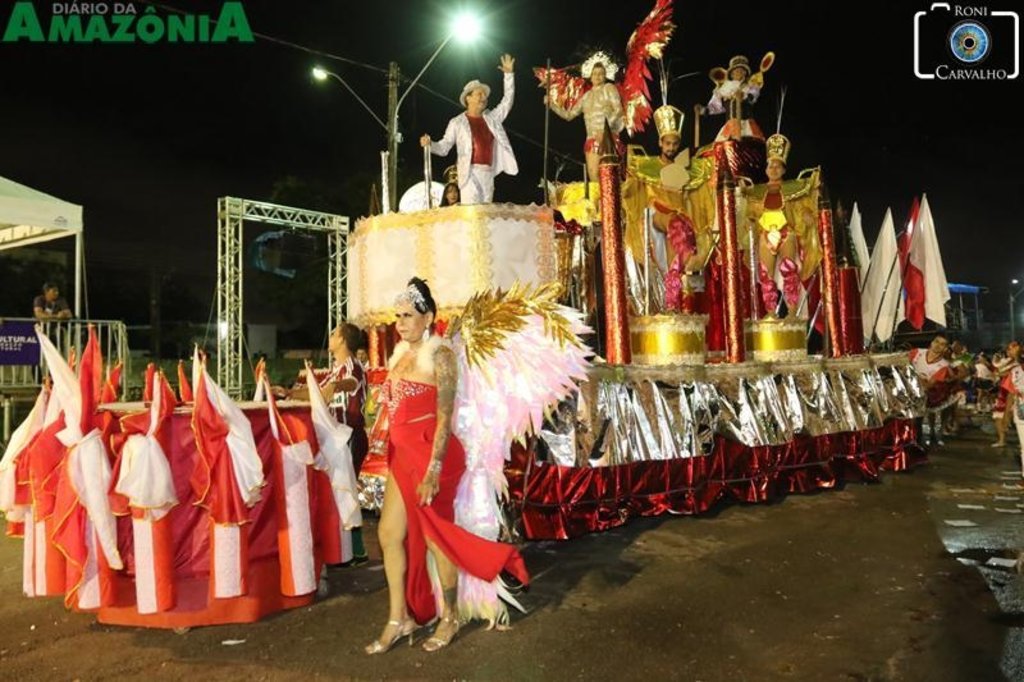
147, 137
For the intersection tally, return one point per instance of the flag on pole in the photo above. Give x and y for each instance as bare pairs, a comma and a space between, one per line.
881, 295
926, 258
44, 566
334, 459
112, 386
227, 480
860, 244
913, 269
145, 489
85, 524
184, 387
15, 496
147, 383
293, 455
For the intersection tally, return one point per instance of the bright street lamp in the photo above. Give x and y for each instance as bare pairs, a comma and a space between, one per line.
322, 74
466, 27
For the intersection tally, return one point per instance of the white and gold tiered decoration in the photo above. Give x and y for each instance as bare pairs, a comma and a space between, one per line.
459, 250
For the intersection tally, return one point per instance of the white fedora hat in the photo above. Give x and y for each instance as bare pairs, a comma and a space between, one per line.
470, 87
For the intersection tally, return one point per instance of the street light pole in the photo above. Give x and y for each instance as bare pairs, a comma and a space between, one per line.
466, 27
394, 76
394, 134
323, 74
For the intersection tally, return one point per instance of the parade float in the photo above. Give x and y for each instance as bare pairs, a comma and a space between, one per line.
705, 275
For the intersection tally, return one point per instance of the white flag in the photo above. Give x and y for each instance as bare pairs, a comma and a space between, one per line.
860, 244
882, 287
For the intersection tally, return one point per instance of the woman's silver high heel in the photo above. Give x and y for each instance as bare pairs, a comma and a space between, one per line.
406, 629
435, 643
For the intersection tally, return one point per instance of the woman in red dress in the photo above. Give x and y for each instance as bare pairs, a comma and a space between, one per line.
426, 463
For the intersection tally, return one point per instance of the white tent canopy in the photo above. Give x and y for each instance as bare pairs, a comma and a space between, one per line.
28, 216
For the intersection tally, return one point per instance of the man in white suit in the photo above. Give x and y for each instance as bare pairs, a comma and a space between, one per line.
480, 140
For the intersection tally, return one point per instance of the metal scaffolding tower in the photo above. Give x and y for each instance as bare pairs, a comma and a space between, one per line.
232, 214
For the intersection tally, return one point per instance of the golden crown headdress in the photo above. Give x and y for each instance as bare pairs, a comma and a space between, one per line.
669, 121
451, 175
777, 146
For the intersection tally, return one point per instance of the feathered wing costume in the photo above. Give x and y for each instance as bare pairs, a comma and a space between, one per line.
648, 41
518, 353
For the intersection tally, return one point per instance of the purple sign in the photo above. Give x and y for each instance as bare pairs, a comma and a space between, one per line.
18, 344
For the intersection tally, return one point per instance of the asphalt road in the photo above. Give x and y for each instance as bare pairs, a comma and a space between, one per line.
870, 582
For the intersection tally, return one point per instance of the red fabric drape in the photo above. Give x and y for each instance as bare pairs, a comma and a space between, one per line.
559, 503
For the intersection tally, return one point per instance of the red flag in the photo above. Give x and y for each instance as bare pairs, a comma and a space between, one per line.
147, 387
90, 380
184, 388
112, 386
213, 479
913, 278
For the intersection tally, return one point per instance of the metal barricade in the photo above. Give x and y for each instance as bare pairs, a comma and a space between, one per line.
67, 335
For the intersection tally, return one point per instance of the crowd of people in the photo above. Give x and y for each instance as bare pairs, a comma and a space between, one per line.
962, 386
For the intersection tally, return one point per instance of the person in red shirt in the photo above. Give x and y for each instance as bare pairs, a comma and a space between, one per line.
935, 376
479, 138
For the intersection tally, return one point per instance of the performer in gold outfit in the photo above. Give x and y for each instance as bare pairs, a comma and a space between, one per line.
785, 227
600, 104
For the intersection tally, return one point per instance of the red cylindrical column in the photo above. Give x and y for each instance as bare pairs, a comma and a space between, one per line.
735, 350
613, 260
852, 326
830, 278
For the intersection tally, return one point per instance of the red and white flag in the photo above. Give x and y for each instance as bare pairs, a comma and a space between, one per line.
294, 455
85, 528
145, 485
335, 460
930, 288
262, 387
44, 568
925, 281
227, 480
15, 493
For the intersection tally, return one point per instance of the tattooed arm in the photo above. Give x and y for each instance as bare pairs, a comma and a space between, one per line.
446, 375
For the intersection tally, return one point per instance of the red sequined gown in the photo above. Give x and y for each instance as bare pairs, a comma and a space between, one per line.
412, 411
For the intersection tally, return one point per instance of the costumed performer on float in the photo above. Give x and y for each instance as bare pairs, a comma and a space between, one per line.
479, 137
453, 408
599, 105
786, 230
624, 105
451, 195
735, 93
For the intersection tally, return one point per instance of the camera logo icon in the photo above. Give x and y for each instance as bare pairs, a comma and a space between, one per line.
966, 42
